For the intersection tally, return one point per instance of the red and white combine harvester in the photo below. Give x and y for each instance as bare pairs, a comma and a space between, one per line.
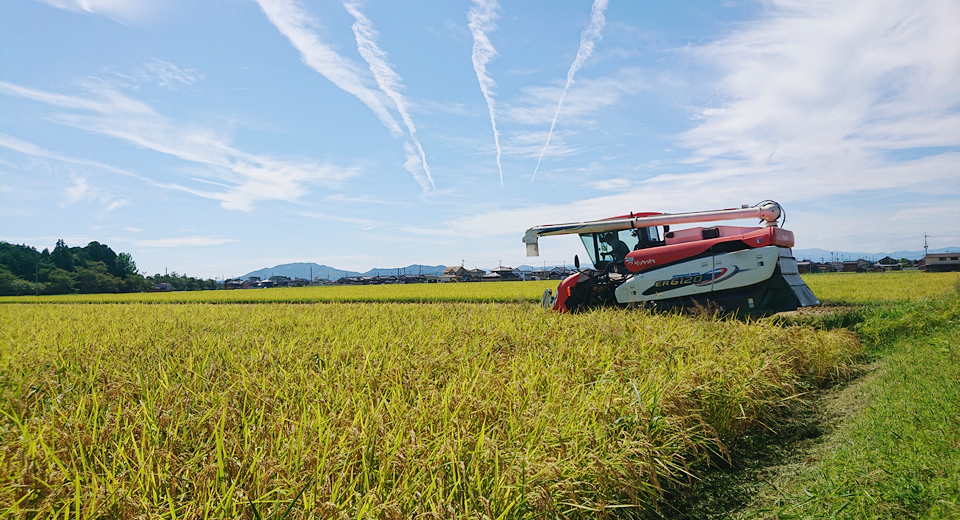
637, 259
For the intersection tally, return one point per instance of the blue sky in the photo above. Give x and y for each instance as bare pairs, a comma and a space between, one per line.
218, 137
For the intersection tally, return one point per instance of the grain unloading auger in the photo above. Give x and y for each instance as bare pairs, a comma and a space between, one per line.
638, 259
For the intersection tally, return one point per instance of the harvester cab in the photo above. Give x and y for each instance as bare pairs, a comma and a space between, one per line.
637, 259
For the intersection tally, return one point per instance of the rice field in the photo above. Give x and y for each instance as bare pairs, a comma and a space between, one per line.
379, 410
880, 287
832, 287
476, 292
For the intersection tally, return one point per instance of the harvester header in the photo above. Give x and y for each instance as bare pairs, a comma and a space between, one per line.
768, 212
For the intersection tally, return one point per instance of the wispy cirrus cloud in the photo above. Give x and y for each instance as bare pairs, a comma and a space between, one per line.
183, 242
82, 191
298, 27
819, 101
415, 165
362, 223
388, 81
588, 39
28, 148
169, 75
119, 10
482, 20
825, 89
110, 102
536, 104
249, 178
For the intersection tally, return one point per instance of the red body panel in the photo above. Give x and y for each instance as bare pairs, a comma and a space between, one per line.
644, 259
563, 292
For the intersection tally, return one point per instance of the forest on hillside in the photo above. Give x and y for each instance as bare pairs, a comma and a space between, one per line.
94, 268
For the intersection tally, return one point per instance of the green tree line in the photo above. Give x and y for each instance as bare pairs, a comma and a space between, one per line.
95, 268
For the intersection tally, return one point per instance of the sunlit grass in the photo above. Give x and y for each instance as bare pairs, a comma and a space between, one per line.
381, 410
895, 455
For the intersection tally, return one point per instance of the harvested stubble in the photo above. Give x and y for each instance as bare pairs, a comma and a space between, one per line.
380, 410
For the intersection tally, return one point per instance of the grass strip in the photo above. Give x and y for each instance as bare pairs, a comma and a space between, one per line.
897, 456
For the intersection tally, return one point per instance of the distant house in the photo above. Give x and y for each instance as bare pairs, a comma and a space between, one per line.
233, 284
887, 264
942, 262
856, 266
806, 267
162, 287
539, 274
502, 274
476, 274
455, 273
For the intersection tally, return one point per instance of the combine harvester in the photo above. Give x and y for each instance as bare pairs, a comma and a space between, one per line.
637, 259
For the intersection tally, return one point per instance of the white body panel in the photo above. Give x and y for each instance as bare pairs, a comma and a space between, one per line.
702, 275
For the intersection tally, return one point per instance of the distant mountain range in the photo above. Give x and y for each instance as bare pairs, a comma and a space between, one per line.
818, 255
325, 272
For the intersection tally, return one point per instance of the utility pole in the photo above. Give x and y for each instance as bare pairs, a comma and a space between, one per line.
925, 246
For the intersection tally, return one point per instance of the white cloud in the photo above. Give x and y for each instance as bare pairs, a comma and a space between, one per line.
482, 20
617, 184
414, 164
822, 91
120, 10
340, 197
528, 144
119, 203
711, 190
168, 75
588, 39
251, 177
80, 190
537, 104
297, 26
362, 223
111, 102
387, 79
183, 242
815, 97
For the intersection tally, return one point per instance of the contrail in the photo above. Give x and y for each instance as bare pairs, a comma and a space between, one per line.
588, 38
482, 18
414, 165
295, 25
387, 79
